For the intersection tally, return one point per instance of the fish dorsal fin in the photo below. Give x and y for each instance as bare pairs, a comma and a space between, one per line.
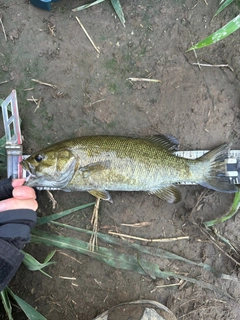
167, 142
171, 194
102, 194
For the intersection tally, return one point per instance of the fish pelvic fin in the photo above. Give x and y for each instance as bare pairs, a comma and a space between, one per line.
216, 178
102, 194
171, 194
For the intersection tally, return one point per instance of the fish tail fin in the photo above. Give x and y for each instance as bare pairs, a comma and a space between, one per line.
216, 176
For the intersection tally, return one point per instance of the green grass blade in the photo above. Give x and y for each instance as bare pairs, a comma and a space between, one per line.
233, 210
153, 269
223, 6
109, 256
6, 303
114, 259
220, 34
34, 265
29, 311
85, 6
155, 251
118, 9
62, 214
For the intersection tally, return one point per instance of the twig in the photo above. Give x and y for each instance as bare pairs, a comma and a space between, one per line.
168, 285
207, 234
149, 240
144, 79
6, 81
89, 38
45, 83
3, 29
137, 225
65, 254
195, 54
212, 239
52, 28
94, 221
36, 101
92, 103
67, 278
212, 65
54, 202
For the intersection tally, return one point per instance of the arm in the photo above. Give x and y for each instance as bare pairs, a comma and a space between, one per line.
17, 215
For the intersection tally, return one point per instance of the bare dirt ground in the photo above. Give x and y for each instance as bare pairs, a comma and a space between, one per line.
199, 107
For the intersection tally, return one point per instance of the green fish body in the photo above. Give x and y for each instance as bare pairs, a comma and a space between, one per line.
98, 164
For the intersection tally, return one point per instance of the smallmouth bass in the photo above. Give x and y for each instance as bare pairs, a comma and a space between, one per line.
99, 164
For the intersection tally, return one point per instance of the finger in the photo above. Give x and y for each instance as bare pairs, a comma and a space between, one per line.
18, 182
12, 204
24, 192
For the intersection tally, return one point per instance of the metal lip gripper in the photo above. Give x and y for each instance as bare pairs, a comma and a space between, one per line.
13, 135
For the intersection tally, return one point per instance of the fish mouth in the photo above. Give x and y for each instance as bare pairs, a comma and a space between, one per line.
30, 170
27, 167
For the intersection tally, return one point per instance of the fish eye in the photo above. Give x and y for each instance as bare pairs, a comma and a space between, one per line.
38, 157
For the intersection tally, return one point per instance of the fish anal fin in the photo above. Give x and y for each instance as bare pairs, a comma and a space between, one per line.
171, 194
167, 142
102, 194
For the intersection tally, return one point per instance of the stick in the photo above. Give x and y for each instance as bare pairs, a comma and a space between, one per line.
3, 29
213, 65
45, 83
205, 231
137, 225
195, 54
94, 221
68, 278
92, 103
144, 79
54, 202
89, 38
6, 81
168, 285
149, 240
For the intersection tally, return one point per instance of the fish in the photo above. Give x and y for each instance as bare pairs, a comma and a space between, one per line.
99, 164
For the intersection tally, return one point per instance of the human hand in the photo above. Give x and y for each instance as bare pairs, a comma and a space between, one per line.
23, 197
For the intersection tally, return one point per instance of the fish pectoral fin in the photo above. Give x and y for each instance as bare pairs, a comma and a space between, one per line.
170, 194
94, 167
102, 194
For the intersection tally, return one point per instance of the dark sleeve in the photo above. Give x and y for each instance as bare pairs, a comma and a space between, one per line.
6, 189
15, 228
10, 260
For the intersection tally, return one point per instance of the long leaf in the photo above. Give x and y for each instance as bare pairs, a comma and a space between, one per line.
223, 6
118, 9
85, 6
114, 259
62, 214
6, 303
34, 265
154, 251
233, 210
29, 311
220, 34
